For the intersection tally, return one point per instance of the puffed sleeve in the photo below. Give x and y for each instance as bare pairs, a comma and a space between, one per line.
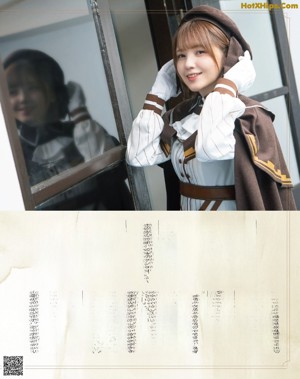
215, 139
143, 148
91, 139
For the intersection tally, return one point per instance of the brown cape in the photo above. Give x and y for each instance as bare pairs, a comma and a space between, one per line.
262, 180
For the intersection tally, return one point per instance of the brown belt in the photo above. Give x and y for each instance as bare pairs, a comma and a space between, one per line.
208, 194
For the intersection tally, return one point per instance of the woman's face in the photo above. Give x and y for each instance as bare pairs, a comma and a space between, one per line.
28, 97
198, 70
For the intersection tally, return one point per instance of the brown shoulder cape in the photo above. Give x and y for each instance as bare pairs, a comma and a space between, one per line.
262, 180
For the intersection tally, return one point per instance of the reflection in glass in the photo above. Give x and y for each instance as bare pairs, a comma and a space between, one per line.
60, 99
40, 100
57, 132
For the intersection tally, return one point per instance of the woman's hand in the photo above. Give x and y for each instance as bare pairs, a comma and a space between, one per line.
76, 96
77, 107
242, 73
165, 85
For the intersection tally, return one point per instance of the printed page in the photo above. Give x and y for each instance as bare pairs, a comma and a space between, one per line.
149, 294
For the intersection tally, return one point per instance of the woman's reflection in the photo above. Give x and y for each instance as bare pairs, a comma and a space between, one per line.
41, 102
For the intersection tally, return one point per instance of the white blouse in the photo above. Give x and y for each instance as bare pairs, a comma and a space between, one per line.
214, 145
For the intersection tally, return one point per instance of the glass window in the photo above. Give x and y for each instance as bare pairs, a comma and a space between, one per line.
60, 100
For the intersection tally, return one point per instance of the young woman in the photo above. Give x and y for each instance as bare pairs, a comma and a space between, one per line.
57, 132
222, 145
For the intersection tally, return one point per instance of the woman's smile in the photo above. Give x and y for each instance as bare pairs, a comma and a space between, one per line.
198, 70
28, 98
193, 77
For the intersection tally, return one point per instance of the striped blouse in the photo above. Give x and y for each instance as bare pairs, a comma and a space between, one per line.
214, 144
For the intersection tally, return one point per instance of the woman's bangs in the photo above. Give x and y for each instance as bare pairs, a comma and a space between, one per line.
192, 35
19, 72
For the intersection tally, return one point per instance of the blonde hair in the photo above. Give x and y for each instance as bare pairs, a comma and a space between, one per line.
200, 33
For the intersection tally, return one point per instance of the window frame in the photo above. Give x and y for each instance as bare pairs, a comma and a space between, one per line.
41, 192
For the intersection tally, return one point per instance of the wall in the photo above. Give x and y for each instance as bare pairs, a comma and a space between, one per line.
36, 13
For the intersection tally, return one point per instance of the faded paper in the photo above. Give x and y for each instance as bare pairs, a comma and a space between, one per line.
148, 294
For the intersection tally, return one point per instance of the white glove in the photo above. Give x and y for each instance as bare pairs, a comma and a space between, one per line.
76, 96
242, 73
165, 85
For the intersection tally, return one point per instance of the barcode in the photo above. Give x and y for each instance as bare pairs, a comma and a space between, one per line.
13, 365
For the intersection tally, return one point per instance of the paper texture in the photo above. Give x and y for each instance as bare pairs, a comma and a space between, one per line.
94, 295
